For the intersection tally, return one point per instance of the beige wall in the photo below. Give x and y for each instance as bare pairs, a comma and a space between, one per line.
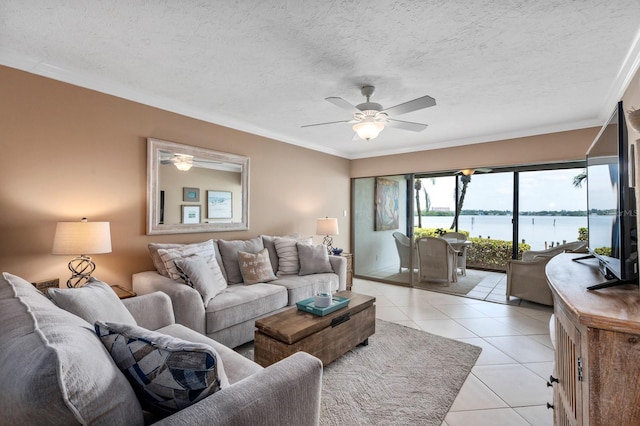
68, 152
553, 147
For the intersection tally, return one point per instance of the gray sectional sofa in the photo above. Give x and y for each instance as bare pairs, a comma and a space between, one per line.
229, 316
55, 370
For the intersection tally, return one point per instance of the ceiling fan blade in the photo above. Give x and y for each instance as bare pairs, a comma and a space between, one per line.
406, 125
341, 103
330, 122
410, 106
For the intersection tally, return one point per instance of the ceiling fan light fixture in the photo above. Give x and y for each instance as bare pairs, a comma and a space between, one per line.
184, 166
183, 162
368, 129
467, 172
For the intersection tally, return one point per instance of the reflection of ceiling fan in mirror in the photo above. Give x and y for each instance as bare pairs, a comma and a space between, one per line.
469, 172
369, 118
184, 162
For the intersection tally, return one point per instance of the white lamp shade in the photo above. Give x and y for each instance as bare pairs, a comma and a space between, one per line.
82, 238
327, 226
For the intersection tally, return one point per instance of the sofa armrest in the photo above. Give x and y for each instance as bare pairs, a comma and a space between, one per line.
151, 311
188, 307
339, 265
285, 393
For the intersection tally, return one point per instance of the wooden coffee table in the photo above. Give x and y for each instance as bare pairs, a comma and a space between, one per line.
327, 337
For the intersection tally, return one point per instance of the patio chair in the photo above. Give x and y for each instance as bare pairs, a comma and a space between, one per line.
404, 248
461, 246
437, 260
526, 278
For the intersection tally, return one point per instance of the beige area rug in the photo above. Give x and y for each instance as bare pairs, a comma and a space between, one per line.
464, 285
403, 377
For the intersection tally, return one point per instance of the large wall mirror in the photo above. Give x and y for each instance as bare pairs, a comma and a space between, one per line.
191, 189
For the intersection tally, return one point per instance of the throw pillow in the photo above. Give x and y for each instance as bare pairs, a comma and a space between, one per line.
155, 257
169, 256
269, 243
168, 373
229, 252
288, 262
313, 259
256, 268
202, 276
95, 301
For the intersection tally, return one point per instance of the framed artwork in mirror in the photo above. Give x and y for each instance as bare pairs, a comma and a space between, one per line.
219, 204
191, 195
190, 214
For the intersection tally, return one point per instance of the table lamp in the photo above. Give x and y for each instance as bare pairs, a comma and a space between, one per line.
327, 226
81, 238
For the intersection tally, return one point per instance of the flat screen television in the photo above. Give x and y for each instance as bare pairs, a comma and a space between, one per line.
611, 202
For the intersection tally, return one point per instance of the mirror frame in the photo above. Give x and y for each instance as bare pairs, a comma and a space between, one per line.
154, 227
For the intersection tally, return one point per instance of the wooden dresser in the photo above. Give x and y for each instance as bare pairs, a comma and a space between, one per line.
596, 377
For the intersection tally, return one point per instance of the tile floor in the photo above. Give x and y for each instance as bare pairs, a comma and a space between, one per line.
507, 385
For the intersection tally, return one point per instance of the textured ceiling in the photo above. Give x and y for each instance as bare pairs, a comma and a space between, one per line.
497, 69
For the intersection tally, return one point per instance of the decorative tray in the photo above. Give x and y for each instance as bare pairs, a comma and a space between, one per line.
337, 302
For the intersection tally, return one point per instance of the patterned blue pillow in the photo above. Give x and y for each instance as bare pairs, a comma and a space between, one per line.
167, 373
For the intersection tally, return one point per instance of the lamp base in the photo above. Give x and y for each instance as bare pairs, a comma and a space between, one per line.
328, 241
81, 268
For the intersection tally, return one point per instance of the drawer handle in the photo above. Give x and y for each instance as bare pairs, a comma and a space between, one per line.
339, 320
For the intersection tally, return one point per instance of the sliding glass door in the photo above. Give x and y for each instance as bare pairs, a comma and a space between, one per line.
486, 205
502, 211
552, 207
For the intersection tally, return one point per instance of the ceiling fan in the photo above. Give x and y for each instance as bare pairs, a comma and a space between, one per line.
369, 118
184, 162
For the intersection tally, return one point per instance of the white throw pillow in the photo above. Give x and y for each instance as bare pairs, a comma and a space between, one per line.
205, 277
288, 261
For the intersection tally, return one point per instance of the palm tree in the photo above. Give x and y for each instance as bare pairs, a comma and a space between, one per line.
465, 179
417, 185
579, 178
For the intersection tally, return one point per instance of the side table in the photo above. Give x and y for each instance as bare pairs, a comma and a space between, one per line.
122, 292
349, 257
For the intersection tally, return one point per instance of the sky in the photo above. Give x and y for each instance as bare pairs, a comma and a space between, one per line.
540, 190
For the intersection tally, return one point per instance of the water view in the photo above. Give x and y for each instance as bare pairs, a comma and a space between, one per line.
534, 230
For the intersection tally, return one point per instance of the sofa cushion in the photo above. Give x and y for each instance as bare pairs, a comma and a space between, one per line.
168, 373
205, 277
240, 303
53, 368
95, 301
169, 256
288, 261
313, 259
302, 287
229, 252
255, 268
